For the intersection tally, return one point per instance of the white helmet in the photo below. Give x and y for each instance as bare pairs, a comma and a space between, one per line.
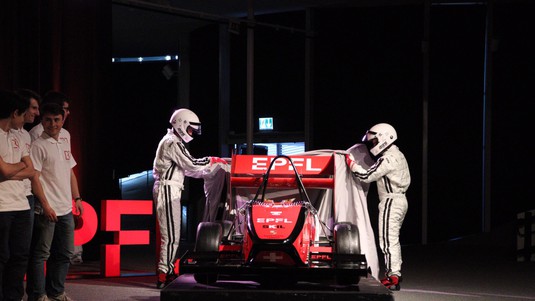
379, 138
184, 119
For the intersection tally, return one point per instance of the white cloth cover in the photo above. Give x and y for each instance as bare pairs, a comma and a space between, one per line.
350, 201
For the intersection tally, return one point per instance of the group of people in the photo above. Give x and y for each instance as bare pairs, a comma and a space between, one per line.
38, 186
173, 162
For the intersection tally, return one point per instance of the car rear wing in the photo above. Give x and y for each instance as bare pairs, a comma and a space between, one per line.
314, 171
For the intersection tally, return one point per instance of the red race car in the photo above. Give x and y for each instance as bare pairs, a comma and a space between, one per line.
276, 237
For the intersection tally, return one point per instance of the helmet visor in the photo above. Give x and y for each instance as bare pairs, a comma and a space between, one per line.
369, 136
195, 128
370, 139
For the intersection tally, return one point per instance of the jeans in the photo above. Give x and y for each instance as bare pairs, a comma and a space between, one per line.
53, 243
15, 231
31, 202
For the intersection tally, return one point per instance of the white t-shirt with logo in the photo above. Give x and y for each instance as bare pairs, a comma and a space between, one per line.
53, 158
12, 196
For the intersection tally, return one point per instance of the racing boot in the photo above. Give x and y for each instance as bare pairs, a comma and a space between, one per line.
392, 282
165, 279
161, 280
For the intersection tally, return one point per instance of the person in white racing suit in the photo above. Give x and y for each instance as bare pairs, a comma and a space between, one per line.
391, 172
171, 163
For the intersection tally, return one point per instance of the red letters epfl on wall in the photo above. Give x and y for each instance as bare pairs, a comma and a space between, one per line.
112, 210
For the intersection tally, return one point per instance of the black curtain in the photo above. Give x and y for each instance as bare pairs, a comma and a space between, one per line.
66, 46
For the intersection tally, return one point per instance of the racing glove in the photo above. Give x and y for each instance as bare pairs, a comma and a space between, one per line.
350, 161
214, 160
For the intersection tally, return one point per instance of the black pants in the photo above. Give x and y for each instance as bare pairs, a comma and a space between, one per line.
15, 236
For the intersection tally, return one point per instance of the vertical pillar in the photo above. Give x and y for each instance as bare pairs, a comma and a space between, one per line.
487, 119
425, 117
183, 70
309, 79
250, 77
224, 89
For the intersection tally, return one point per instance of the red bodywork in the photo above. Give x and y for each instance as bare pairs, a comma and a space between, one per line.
278, 234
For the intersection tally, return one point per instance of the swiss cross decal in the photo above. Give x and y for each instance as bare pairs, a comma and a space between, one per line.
272, 257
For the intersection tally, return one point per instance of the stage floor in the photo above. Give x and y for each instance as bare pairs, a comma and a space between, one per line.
184, 288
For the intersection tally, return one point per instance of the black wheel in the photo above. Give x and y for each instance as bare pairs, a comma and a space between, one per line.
346, 242
208, 240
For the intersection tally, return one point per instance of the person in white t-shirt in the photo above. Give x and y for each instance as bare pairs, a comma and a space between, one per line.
53, 237
15, 224
37, 130
29, 118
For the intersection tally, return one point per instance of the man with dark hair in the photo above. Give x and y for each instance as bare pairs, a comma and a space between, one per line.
29, 118
15, 227
53, 239
63, 101
35, 101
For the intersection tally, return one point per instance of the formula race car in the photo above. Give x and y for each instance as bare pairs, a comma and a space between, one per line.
277, 238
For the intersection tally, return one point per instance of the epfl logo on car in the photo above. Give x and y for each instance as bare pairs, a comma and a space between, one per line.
273, 222
262, 163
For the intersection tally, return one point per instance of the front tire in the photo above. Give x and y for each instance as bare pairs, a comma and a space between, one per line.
207, 241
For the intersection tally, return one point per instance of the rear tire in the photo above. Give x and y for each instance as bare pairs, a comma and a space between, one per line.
346, 242
208, 239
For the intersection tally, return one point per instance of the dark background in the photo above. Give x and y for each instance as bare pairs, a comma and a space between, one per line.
368, 68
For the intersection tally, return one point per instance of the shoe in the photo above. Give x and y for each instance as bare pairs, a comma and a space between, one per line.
392, 282
165, 279
77, 259
60, 297
42, 298
161, 280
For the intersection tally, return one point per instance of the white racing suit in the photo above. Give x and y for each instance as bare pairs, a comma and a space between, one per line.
391, 172
171, 163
